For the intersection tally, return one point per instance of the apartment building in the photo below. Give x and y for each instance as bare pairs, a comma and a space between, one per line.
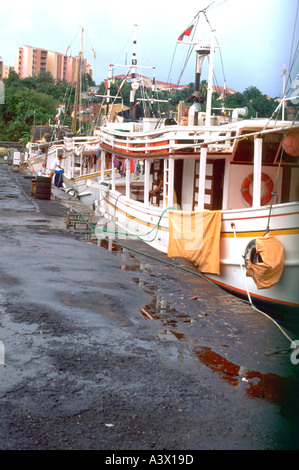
6, 70
30, 60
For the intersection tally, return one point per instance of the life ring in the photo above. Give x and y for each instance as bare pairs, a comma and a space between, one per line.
246, 184
73, 193
251, 255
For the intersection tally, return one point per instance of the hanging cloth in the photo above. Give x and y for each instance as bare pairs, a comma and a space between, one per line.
115, 162
195, 235
268, 272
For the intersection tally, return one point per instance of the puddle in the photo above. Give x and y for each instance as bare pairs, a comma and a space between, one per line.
270, 387
46, 223
130, 267
171, 335
160, 309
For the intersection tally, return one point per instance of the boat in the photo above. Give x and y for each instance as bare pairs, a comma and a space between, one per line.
220, 192
242, 173
214, 174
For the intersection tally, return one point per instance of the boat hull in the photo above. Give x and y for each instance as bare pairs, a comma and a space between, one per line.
238, 228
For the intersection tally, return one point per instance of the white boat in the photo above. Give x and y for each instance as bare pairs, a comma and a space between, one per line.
243, 174
243, 170
40, 155
210, 178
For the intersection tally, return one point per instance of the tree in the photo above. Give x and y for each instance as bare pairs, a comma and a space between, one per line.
13, 79
44, 78
259, 105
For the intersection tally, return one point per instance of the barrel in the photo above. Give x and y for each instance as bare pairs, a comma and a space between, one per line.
43, 187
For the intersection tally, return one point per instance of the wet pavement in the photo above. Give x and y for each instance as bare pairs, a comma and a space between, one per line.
110, 347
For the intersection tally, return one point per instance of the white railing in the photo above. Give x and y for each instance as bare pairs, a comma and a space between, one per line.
166, 140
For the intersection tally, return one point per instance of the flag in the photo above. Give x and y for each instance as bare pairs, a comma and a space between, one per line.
186, 32
57, 117
106, 85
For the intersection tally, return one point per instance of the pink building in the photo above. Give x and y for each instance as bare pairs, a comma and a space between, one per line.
30, 60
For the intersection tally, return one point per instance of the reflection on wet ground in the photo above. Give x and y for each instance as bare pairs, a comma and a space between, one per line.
269, 386
160, 309
22, 220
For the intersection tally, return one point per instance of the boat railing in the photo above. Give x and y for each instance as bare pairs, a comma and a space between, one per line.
166, 140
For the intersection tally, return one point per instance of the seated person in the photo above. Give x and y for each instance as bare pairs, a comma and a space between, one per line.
157, 191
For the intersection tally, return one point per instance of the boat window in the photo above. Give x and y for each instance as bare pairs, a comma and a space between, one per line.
244, 150
289, 158
271, 148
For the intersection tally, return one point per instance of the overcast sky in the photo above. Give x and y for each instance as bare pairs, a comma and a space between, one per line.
255, 36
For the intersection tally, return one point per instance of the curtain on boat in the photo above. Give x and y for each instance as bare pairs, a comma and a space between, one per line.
195, 235
269, 271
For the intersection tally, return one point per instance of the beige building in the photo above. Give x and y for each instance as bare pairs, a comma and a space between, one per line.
6, 70
30, 60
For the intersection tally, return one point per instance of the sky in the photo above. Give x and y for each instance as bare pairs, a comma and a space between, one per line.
255, 37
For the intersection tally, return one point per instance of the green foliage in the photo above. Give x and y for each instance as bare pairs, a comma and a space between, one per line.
34, 100
258, 105
29, 101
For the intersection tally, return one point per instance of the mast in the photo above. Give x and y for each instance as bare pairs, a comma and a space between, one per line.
134, 80
108, 90
74, 124
284, 73
210, 82
202, 50
134, 85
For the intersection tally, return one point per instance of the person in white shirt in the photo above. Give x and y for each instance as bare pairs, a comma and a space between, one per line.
57, 170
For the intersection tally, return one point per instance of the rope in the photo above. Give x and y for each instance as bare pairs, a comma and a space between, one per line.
274, 192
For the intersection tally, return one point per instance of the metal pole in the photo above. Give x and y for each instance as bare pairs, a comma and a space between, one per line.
284, 72
134, 64
210, 82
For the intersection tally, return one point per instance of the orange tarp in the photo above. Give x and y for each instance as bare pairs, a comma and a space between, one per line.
269, 271
195, 235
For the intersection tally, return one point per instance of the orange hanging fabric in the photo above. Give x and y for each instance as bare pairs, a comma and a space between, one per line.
195, 235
